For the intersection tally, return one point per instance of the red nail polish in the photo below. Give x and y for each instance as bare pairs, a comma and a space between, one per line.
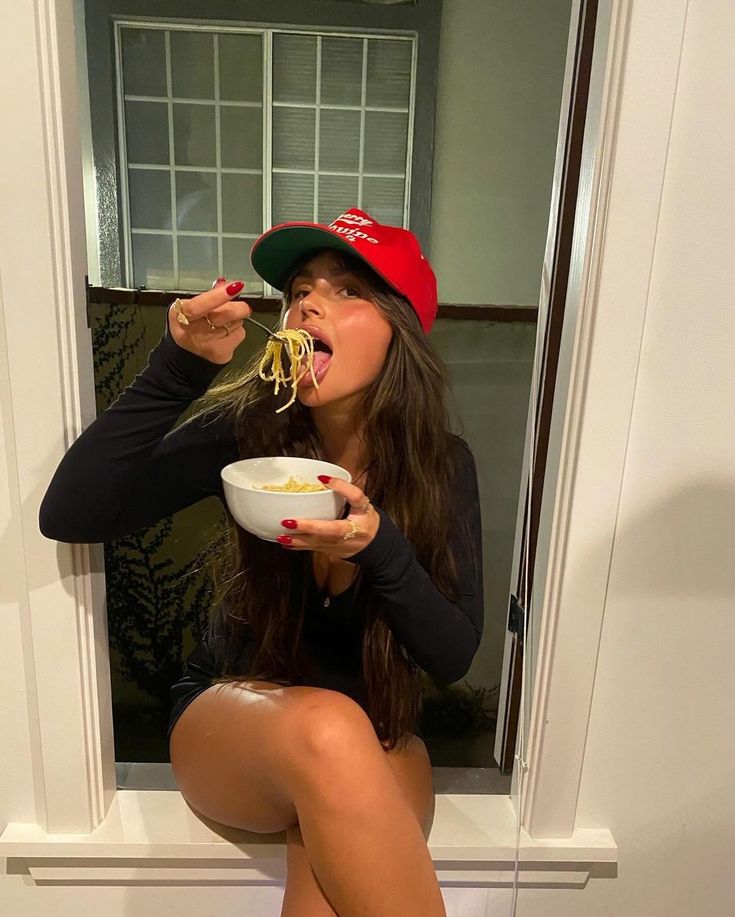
325, 478
234, 288
284, 539
289, 523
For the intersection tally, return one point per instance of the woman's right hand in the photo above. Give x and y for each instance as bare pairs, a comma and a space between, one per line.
198, 337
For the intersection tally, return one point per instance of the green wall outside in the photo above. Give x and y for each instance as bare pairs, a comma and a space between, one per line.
501, 68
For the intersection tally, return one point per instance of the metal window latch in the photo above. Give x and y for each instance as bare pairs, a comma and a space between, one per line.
516, 617
87, 300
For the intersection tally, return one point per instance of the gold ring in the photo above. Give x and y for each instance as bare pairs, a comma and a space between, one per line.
352, 532
366, 505
210, 323
226, 326
181, 316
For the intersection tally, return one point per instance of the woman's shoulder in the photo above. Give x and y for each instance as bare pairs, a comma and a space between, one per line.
464, 465
461, 450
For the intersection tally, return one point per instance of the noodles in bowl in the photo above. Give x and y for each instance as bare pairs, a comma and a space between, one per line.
260, 492
292, 486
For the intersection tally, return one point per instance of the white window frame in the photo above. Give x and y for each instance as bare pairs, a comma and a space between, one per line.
57, 757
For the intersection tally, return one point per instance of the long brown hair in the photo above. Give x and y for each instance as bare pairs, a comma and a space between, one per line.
260, 595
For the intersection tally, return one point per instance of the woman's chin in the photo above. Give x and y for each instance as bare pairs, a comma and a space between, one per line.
312, 397
309, 397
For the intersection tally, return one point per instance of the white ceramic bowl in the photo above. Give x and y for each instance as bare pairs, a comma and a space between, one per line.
261, 511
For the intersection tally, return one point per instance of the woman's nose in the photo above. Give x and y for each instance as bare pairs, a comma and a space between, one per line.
312, 305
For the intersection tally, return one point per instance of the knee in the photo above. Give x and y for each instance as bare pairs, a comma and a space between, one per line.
332, 752
331, 723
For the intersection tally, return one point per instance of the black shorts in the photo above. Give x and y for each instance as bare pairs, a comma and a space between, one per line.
201, 667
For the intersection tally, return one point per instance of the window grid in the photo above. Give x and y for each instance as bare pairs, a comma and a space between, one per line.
230, 170
363, 108
222, 102
161, 167
127, 242
198, 233
335, 107
267, 105
343, 173
411, 120
363, 100
171, 155
317, 128
268, 137
218, 157
232, 104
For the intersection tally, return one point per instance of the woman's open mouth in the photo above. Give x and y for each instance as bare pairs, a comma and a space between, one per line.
322, 359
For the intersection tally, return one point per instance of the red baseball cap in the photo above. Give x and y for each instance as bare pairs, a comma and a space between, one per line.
392, 252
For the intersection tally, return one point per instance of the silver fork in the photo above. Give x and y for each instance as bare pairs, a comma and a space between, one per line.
263, 327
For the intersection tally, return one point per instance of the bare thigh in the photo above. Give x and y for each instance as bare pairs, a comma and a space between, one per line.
412, 769
238, 749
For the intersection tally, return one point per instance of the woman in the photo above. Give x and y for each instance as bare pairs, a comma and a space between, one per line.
300, 710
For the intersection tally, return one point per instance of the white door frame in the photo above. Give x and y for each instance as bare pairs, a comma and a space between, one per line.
58, 750
536, 378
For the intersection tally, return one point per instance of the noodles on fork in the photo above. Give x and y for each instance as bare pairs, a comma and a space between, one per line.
299, 346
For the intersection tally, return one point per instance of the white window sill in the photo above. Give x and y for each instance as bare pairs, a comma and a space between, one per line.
153, 836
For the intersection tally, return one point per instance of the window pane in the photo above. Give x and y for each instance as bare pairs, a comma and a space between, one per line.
385, 141
198, 262
339, 140
146, 131
194, 135
342, 71
237, 264
382, 198
389, 73
242, 203
294, 68
153, 262
293, 138
150, 199
293, 197
144, 62
192, 64
241, 137
196, 201
337, 193
241, 68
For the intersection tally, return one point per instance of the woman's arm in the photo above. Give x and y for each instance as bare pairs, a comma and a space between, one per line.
442, 637
128, 469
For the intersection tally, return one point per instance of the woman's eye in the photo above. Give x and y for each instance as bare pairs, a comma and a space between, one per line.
349, 290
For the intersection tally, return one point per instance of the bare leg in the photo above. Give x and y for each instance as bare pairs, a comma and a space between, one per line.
268, 758
362, 837
304, 896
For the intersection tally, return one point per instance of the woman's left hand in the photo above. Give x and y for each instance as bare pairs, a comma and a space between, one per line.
328, 537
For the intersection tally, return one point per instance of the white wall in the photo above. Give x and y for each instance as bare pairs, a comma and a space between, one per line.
659, 767
501, 66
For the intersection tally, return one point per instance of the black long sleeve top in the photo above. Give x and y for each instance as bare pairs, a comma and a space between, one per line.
130, 468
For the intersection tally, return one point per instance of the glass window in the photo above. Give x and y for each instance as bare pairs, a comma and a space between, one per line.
220, 141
